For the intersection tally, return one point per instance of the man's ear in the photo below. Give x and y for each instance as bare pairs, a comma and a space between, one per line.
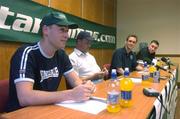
44, 29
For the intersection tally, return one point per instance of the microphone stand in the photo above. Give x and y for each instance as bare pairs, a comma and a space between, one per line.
169, 66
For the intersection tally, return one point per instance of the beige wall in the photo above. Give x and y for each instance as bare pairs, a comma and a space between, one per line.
151, 20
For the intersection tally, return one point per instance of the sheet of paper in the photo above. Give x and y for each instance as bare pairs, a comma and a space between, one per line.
135, 80
90, 106
140, 72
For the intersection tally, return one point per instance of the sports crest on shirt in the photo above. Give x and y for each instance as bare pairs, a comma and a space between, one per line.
49, 73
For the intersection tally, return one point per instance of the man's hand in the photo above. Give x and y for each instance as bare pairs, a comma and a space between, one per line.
83, 91
106, 72
99, 75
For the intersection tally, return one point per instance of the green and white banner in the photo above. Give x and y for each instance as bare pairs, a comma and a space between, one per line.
20, 19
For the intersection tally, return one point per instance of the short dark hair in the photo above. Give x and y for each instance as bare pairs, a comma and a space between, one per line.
132, 35
155, 41
84, 35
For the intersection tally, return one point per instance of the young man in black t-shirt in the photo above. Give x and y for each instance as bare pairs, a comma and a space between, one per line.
36, 69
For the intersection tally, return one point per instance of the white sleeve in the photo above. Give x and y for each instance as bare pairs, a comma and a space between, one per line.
74, 63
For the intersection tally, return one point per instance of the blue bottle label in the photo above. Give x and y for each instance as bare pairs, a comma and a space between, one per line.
152, 75
157, 77
126, 95
145, 77
113, 98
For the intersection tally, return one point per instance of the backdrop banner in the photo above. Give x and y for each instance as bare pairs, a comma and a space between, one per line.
20, 22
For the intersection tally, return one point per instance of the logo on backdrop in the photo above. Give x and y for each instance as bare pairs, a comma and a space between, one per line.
26, 23
21, 24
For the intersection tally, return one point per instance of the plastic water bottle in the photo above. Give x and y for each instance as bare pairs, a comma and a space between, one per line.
157, 77
152, 70
157, 73
145, 75
126, 86
113, 93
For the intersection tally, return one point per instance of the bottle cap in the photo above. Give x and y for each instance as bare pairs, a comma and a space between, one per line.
113, 71
126, 71
145, 64
113, 74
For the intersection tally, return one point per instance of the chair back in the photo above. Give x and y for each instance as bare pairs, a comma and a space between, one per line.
142, 45
4, 93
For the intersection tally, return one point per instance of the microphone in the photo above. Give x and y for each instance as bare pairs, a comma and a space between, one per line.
166, 60
159, 67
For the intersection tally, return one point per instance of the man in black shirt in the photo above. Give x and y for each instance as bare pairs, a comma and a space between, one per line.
148, 53
125, 57
36, 69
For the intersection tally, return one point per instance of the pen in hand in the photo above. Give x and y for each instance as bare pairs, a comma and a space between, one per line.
98, 99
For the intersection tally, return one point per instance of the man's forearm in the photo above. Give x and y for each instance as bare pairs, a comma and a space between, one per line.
28, 96
73, 79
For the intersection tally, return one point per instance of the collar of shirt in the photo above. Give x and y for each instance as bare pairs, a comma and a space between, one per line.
79, 53
125, 52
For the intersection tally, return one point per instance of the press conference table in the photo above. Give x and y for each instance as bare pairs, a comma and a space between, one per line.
141, 108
